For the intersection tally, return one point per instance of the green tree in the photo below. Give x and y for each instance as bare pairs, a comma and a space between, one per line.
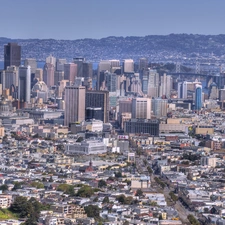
105, 200
67, 189
51, 179
4, 187
17, 185
102, 184
139, 193
92, 211
19, 206
37, 185
85, 191
118, 174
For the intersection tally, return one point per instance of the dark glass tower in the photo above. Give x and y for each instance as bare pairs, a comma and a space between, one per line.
12, 55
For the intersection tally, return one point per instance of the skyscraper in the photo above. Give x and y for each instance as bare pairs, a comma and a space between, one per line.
60, 64
48, 74
128, 66
141, 108
12, 55
98, 99
159, 107
74, 104
79, 62
70, 71
143, 64
58, 76
87, 69
24, 89
198, 97
32, 63
52, 60
11, 77
153, 83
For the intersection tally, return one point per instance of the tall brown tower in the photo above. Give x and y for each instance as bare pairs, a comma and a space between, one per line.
12, 55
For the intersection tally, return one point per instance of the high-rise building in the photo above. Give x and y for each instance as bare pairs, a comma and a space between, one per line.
79, 62
166, 85
60, 64
111, 81
137, 126
143, 64
11, 77
48, 74
159, 107
128, 66
98, 99
153, 83
24, 89
70, 71
12, 55
198, 97
32, 63
58, 76
52, 60
39, 74
104, 65
141, 108
74, 104
213, 91
87, 70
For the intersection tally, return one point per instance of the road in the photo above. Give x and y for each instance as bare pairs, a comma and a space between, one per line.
182, 211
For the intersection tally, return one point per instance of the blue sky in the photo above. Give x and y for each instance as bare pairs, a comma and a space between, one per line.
74, 19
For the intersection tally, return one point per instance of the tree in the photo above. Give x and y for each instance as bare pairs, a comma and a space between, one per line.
51, 179
105, 200
37, 185
139, 193
17, 185
92, 211
85, 191
118, 174
102, 183
20, 206
149, 169
67, 189
4, 187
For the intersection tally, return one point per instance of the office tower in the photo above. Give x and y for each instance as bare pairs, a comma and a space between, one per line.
166, 85
60, 64
48, 74
198, 97
87, 70
153, 83
94, 113
52, 60
32, 63
12, 55
222, 95
213, 91
125, 105
141, 108
70, 71
24, 89
143, 64
104, 65
39, 74
58, 76
98, 99
137, 126
74, 104
111, 81
11, 77
159, 107
79, 62
128, 66
115, 62
61, 87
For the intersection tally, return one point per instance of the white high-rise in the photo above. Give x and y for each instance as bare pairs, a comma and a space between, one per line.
141, 108
128, 66
153, 83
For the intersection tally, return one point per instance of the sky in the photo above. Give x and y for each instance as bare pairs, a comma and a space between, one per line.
76, 19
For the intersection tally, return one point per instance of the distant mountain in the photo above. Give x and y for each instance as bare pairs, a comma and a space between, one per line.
155, 47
